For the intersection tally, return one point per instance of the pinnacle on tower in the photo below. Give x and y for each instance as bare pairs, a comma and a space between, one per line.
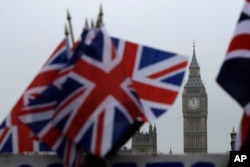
233, 138
194, 63
233, 134
150, 127
154, 128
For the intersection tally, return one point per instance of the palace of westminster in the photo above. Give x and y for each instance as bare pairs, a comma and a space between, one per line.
194, 109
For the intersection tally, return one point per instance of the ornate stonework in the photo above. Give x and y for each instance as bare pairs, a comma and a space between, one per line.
145, 142
194, 108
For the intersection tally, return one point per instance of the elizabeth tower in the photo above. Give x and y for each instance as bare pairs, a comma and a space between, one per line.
194, 107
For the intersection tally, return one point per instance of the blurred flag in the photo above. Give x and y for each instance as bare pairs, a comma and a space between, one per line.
157, 75
97, 102
38, 113
234, 74
16, 137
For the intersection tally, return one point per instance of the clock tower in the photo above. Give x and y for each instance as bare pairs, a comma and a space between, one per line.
194, 108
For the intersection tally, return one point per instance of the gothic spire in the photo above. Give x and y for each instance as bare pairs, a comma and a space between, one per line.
170, 152
150, 128
194, 63
154, 128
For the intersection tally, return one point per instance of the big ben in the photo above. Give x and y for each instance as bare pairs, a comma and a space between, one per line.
194, 107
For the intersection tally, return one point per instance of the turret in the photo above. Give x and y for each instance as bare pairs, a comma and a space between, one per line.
150, 129
233, 138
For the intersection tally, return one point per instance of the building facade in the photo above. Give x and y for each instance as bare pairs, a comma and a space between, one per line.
145, 142
194, 108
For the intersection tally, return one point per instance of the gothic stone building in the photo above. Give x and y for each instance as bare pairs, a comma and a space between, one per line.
194, 107
145, 142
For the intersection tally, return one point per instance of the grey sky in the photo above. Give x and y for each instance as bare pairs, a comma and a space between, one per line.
30, 30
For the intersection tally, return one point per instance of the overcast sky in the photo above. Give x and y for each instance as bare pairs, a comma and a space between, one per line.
30, 30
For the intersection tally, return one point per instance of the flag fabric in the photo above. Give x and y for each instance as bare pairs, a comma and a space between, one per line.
234, 74
38, 112
15, 137
243, 135
98, 103
112, 84
157, 75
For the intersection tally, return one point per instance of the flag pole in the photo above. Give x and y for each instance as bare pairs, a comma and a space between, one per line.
99, 21
70, 28
86, 24
66, 32
92, 24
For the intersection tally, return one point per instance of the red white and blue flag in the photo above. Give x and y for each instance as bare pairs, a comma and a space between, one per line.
15, 137
102, 103
157, 75
112, 85
234, 75
38, 113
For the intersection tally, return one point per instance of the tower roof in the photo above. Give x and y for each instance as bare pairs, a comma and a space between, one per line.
233, 134
194, 63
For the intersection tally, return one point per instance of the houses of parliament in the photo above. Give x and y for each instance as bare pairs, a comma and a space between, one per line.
194, 109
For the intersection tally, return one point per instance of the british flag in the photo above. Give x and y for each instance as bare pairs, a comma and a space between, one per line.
113, 84
107, 102
98, 102
234, 74
156, 75
38, 112
37, 116
16, 137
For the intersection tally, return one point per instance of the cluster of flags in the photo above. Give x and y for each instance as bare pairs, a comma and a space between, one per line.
90, 99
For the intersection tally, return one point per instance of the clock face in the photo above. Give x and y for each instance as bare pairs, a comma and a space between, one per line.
193, 103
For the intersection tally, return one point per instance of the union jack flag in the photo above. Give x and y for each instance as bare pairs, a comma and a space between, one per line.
39, 121
108, 101
156, 75
234, 74
98, 102
38, 112
16, 137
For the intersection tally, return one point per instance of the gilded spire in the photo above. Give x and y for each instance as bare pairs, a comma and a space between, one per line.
99, 19
194, 63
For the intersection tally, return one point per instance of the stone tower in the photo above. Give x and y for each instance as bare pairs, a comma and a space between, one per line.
233, 138
194, 108
145, 142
